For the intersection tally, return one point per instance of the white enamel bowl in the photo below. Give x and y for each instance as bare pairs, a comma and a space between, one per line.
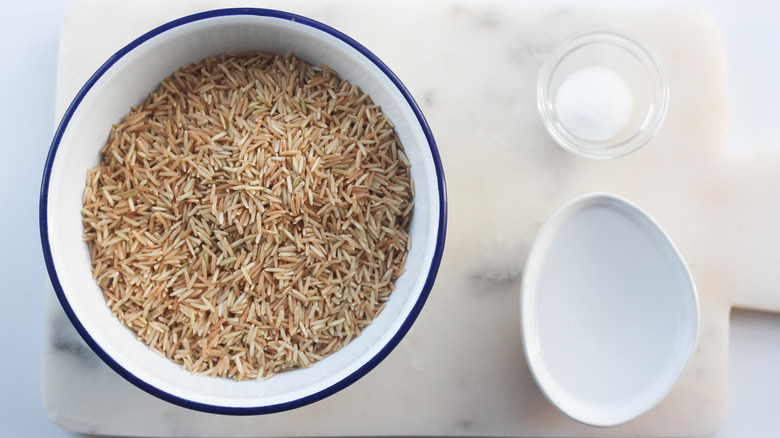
125, 80
609, 311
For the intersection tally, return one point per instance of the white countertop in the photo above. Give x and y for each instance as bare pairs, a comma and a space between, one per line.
29, 33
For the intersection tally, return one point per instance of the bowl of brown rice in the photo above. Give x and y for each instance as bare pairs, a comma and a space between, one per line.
243, 211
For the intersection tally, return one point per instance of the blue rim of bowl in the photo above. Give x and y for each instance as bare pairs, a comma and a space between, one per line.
311, 398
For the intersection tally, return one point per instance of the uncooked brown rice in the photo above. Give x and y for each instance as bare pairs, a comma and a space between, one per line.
250, 216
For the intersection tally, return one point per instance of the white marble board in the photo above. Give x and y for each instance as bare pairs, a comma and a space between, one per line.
460, 371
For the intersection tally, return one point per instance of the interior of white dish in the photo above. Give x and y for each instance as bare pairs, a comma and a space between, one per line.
127, 82
609, 311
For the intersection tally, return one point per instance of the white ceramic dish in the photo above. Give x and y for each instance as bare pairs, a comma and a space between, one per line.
609, 311
125, 80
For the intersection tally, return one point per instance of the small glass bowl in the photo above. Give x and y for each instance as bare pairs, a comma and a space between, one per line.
634, 63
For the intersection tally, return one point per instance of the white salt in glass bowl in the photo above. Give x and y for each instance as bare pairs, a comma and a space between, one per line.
125, 80
602, 94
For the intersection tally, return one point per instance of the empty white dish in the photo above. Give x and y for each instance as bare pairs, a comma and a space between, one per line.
609, 311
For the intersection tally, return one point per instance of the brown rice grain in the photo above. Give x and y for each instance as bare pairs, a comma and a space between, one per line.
250, 216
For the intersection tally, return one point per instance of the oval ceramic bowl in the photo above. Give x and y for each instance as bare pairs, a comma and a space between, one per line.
609, 311
125, 80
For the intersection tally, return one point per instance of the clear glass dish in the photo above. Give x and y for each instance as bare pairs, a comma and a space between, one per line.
612, 61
